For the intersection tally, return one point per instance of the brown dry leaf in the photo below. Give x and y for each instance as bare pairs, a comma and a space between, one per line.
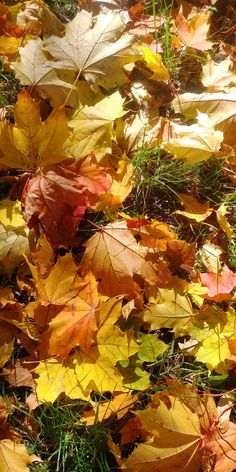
193, 209
18, 376
180, 254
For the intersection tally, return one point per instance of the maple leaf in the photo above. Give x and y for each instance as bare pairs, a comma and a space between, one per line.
95, 370
31, 143
217, 77
220, 285
61, 284
223, 222
7, 341
155, 64
33, 69
174, 438
172, 310
58, 196
14, 236
75, 324
180, 254
214, 330
210, 257
121, 185
14, 455
180, 431
114, 257
220, 108
89, 42
93, 127
193, 29
193, 209
195, 143
9, 45
118, 406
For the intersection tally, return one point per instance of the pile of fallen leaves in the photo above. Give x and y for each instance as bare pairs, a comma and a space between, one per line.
89, 309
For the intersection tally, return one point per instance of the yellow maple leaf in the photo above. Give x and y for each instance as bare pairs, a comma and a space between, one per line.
171, 310
195, 143
14, 236
61, 284
155, 64
224, 224
193, 209
14, 456
214, 329
93, 127
31, 143
95, 370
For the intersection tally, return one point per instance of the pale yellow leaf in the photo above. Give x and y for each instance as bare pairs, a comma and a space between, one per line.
218, 76
195, 143
223, 222
14, 457
93, 127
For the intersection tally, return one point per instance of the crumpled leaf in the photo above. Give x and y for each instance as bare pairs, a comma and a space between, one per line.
220, 285
195, 143
88, 42
36, 18
93, 127
58, 196
193, 209
31, 143
14, 456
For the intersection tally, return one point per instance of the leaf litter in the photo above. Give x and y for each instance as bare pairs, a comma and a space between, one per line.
117, 237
